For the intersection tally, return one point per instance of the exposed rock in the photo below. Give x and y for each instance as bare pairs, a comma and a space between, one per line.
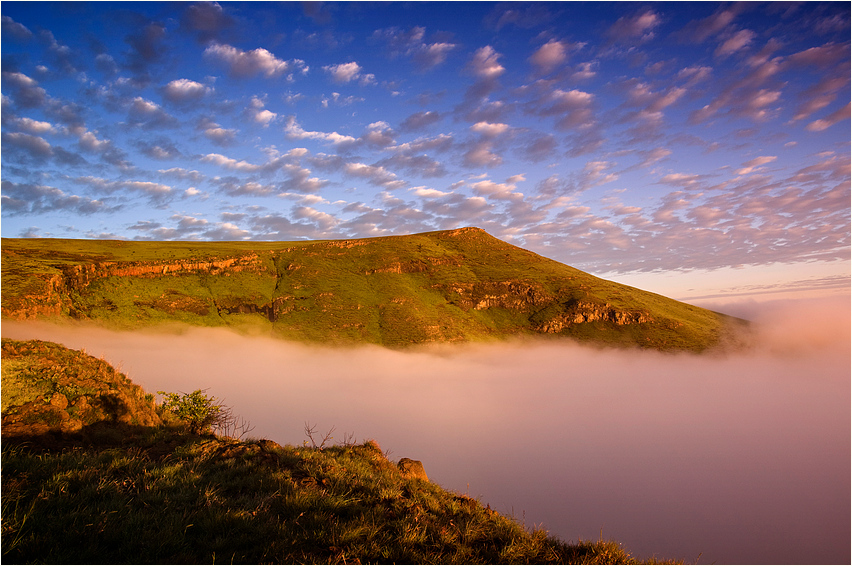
412, 469
515, 295
580, 312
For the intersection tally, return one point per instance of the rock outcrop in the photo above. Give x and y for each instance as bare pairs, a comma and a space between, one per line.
412, 469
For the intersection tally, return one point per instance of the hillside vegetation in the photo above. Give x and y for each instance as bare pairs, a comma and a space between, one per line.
117, 491
449, 286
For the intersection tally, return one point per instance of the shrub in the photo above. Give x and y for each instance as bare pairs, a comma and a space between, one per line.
200, 412
203, 414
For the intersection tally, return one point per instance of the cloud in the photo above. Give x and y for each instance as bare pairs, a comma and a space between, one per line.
653, 156
206, 19
34, 146
549, 56
411, 44
229, 163
573, 109
523, 15
838, 115
698, 31
294, 131
247, 63
755, 164
339, 100
425, 192
540, 147
26, 198
12, 28
640, 26
105, 63
35, 127
375, 175
182, 91
25, 91
216, 133
502, 191
378, 134
737, 42
484, 63
147, 48
420, 120
149, 114
480, 155
183, 174
348, 72
489, 130
156, 192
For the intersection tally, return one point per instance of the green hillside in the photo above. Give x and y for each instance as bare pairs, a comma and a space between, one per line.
449, 286
90, 475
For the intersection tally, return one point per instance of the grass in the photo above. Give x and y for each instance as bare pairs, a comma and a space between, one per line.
167, 497
450, 286
116, 491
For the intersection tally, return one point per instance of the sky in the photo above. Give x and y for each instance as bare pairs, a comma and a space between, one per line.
696, 149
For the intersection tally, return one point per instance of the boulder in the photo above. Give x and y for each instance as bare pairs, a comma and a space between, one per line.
412, 469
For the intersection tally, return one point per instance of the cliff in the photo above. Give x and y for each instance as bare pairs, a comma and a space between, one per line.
448, 286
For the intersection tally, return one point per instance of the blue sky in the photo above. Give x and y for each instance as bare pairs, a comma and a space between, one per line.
694, 148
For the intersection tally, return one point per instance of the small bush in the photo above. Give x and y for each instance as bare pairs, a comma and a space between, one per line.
203, 414
200, 412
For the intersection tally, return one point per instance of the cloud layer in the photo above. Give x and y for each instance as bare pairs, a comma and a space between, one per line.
647, 139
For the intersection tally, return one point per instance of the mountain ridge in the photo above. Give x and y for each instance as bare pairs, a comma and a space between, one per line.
445, 286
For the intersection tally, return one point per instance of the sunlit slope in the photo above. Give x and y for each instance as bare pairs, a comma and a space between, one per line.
448, 286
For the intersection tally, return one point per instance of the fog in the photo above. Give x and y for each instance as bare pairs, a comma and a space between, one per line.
739, 458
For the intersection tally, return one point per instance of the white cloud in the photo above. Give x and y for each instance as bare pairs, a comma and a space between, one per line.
348, 72
184, 90
484, 63
34, 126
738, 41
90, 141
755, 164
424, 192
833, 118
549, 56
228, 163
489, 130
144, 106
248, 63
295, 132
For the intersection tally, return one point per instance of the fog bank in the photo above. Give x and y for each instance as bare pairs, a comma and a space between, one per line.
742, 458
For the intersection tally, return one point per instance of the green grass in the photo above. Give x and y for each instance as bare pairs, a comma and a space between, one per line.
450, 286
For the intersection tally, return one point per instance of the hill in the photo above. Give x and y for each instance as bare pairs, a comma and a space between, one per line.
448, 286
116, 490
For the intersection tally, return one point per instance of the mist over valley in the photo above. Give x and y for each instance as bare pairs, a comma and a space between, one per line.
738, 457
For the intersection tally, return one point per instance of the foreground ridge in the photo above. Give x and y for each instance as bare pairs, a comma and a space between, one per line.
448, 286
116, 492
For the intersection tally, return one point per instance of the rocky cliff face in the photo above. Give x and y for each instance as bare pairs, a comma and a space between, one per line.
580, 312
52, 294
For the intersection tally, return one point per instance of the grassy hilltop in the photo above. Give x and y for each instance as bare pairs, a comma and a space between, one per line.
449, 286
91, 475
